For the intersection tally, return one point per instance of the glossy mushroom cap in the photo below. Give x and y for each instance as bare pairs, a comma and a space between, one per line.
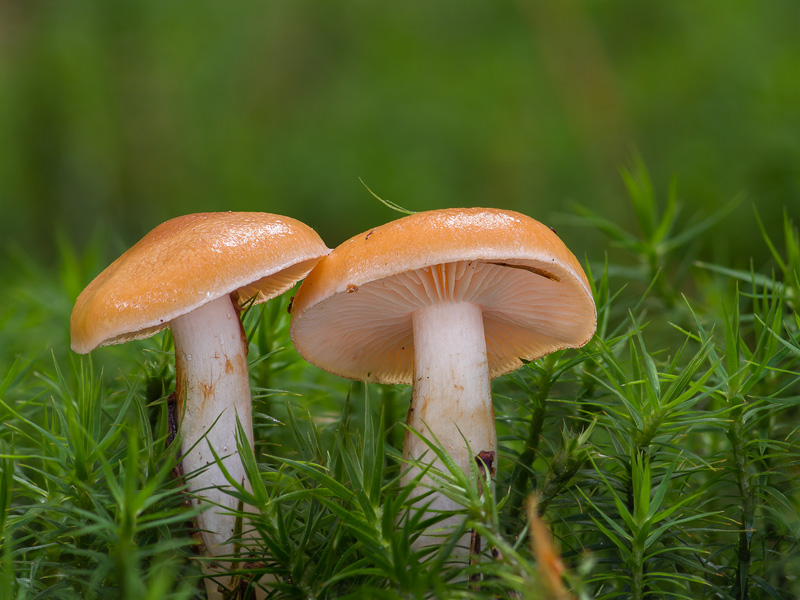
187, 262
352, 314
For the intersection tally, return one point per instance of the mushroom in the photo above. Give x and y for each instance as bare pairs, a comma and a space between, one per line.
444, 300
193, 274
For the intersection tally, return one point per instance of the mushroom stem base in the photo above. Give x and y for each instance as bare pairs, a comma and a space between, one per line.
213, 390
451, 400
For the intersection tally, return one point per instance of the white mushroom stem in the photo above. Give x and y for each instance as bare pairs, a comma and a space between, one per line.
213, 389
451, 397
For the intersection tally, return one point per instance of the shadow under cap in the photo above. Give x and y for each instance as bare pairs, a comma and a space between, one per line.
352, 315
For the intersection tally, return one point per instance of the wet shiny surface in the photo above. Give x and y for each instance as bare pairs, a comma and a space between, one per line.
186, 262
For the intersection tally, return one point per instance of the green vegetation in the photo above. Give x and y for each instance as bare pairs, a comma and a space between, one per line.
118, 117
665, 455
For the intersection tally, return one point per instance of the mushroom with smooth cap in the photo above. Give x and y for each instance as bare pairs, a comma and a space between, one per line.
444, 300
191, 274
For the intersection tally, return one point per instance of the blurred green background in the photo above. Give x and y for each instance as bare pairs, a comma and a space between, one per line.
116, 115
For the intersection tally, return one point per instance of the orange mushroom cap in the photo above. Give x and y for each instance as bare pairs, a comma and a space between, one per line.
352, 314
187, 262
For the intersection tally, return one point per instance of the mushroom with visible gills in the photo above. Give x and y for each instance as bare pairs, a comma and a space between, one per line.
444, 300
192, 274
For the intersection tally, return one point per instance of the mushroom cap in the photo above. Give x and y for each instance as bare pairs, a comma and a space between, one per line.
187, 262
352, 314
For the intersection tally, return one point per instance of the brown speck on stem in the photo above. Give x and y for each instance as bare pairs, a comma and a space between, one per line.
485, 459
